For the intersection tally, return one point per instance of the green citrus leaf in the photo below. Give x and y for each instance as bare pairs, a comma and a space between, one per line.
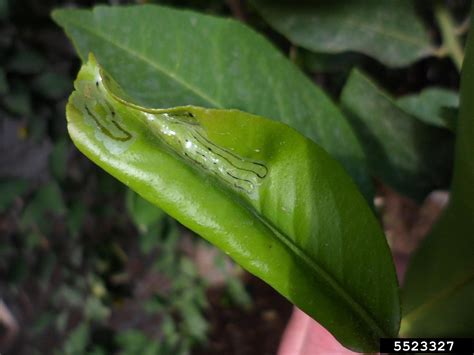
433, 106
411, 156
273, 200
439, 286
164, 58
389, 30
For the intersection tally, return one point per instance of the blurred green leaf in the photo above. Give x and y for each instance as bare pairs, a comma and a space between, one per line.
242, 70
77, 340
132, 342
46, 267
194, 321
188, 267
18, 102
42, 322
32, 240
3, 9
329, 63
149, 239
429, 106
48, 199
97, 350
235, 288
409, 155
157, 304
168, 247
52, 85
94, 309
69, 295
75, 217
9, 190
237, 292
26, 61
388, 30
439, 283
61, 321
58, 159
170, 332
143, 213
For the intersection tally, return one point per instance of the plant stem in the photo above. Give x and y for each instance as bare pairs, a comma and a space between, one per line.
448, 34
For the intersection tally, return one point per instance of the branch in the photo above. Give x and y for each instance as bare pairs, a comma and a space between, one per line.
449, 37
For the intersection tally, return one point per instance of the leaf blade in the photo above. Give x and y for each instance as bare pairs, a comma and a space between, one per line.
389, 31
411, 156
443, 304
239, 69
294, 228
430, 106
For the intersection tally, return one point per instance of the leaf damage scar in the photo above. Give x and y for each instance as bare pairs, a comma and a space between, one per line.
127, 136
191, 142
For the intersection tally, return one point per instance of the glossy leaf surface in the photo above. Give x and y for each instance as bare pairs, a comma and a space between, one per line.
164, 57
411, 156
439, 288
389, 30
269, 197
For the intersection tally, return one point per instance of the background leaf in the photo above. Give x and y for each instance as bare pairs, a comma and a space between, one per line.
330, 63
143, 213
52, 85
411, 156
271, 199
37, 216
439, 285
169, 58
18, 102
389, 30
9, 190
58, 159
430, 106
3, 9
26, 61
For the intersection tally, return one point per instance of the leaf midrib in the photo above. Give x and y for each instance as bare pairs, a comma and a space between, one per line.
355, 23
323, 274
351, 22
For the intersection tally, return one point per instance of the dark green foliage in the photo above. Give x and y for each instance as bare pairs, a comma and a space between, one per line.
413, 157
387, 30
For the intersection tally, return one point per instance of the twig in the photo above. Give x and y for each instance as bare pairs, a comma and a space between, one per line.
450, 40
463, 27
